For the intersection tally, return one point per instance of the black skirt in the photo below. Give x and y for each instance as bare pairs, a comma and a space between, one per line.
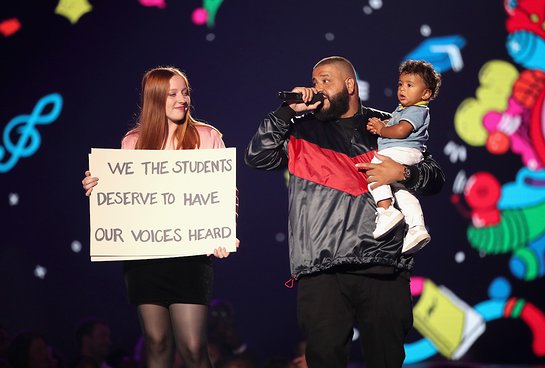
167, 281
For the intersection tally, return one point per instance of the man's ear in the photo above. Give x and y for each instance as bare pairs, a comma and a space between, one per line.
350, 85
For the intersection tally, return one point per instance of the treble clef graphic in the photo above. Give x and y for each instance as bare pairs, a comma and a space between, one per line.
23, 129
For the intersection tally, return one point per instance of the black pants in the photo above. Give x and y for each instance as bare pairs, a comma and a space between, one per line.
329, 304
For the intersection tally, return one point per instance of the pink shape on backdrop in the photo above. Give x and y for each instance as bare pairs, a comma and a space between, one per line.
158, 3
417, 285
514, 124
199, 16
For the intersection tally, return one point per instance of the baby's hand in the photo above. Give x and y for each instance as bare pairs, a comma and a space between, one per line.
375, 125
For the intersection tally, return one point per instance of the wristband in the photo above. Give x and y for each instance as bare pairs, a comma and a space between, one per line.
406, 173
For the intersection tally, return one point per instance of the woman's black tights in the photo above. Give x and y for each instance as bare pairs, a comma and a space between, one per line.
180, 324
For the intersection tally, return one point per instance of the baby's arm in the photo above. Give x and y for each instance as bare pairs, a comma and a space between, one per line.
400, 130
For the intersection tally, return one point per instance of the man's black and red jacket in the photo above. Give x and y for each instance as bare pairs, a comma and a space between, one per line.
331, 212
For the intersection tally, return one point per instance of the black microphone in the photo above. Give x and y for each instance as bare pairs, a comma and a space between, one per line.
298, 97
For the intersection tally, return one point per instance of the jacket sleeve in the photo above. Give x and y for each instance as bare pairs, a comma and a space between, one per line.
369, 112
427, 177
268, 148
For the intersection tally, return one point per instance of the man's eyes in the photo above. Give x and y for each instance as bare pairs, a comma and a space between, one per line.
324, 81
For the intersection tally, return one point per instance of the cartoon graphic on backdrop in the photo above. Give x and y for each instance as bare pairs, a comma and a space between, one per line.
481, 192
73, 10
207, 13
496, 80
450, 326
150, 3
20, 136
506, 115
451, 336
509, 219
443, 52
10, 26
526, 27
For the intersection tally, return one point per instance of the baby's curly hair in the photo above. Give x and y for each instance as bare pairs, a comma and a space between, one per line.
425, 70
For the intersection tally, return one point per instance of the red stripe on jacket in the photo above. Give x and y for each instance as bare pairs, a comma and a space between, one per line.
326, 167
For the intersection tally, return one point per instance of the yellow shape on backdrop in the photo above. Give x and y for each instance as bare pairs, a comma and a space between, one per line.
496, 80
73, 9
447, 321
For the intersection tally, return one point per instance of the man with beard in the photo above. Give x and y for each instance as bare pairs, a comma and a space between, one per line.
344, 275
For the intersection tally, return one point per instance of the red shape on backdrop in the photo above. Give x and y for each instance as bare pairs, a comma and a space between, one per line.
497, 143
526, 15
537, 126
482, 192
10, 26
528, 87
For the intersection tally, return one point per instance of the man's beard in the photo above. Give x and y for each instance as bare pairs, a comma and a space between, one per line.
338, 106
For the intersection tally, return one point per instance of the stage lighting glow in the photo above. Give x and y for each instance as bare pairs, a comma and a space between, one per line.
329, 36
13, 199
460, 257
425, 30
76, 246
363, 88
375, 4
280, 237
40, 272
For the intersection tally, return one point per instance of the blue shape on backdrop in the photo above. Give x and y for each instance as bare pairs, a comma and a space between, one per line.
529, 263
528, 190
527, 49
21, 138
444, 53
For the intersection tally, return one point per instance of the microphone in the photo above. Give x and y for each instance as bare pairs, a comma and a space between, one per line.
298, 97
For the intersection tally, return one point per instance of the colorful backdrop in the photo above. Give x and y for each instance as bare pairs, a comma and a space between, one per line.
70, 73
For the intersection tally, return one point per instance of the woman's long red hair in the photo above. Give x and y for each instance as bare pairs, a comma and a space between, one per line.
152, 125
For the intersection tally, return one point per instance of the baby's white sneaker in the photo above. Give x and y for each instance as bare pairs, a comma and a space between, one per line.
386, 220
417, 238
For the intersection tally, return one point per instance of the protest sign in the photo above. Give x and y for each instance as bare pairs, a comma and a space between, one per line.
162, 203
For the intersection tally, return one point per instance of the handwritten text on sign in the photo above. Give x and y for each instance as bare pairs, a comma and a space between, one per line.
155, 204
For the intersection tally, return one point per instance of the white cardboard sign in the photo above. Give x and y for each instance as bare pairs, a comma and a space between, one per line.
162, 203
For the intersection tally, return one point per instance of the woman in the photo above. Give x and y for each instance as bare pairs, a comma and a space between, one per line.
172, 294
